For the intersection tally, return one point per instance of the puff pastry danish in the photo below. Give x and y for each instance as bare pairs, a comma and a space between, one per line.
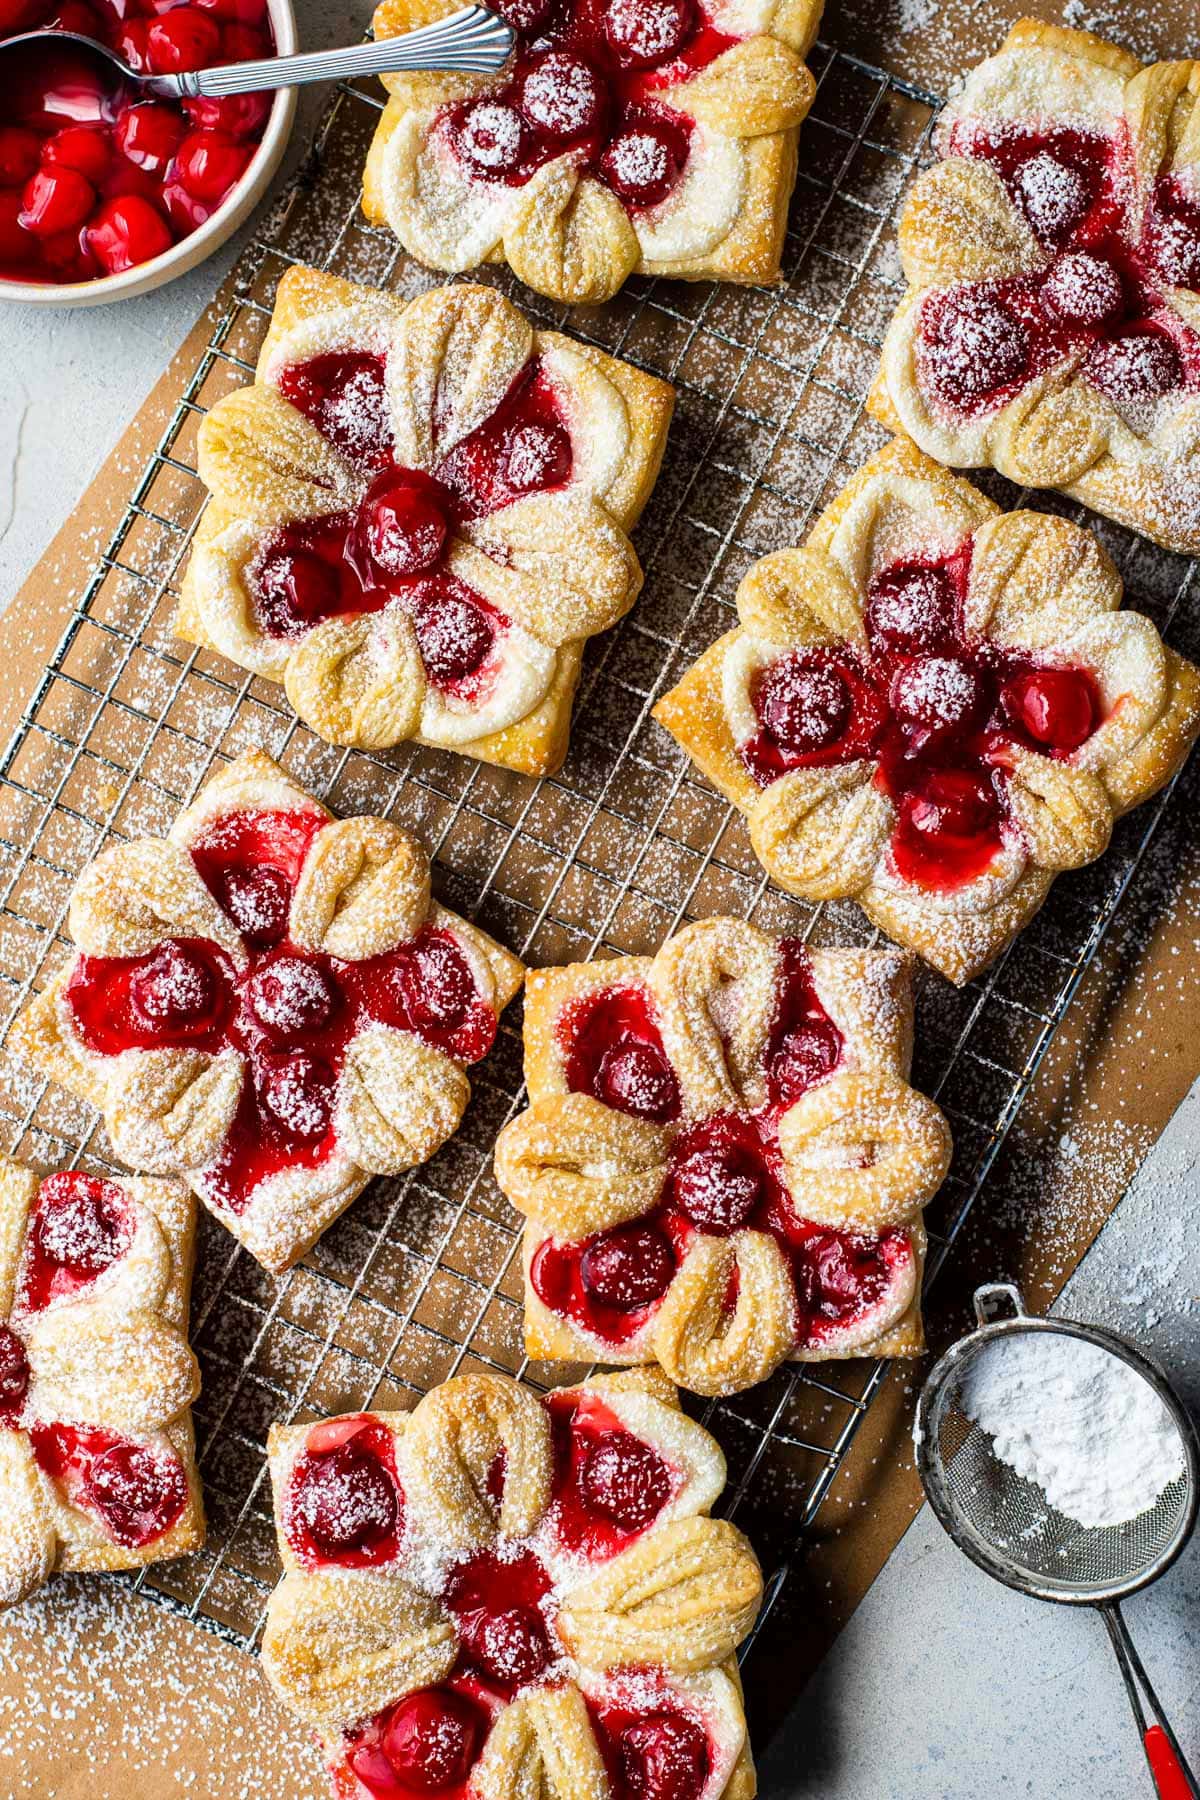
419, 514
932, 707
653, 137
1051, 327
723, 1164
508, 1595
97, 1463
268, 1003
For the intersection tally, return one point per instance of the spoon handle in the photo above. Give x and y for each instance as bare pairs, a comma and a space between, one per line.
473, 40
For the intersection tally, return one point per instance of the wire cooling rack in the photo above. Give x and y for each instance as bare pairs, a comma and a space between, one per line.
421, 1277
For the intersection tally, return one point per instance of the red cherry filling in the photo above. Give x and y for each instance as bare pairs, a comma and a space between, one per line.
14, 1375
80, 1226
298, 1093
1057, 708
911, 607
840, 1276
525, 15
176, 990
973, 347
938, 694
258, 901
562, 96
344, 395
1053, 194
454, 635
344, 1502
716, 1179
1174, 229
949, 828
490, 137
431, 986
426, 1743
1084, 290
1141, 366
643, 34
497, 1600
643, 161
402, 526
92, 183
137, 1491
804, 705
629, 1267
614, 1052
291, 998
624, 1480
663, 1757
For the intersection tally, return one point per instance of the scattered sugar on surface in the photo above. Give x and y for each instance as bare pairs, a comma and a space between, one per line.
87, 1653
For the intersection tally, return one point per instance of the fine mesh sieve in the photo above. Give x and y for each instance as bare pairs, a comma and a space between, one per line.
1006, 1524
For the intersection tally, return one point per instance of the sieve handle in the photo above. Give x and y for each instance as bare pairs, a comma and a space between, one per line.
995, 1298
1173, 1779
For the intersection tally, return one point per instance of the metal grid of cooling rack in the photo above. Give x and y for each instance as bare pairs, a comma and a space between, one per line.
420, 1278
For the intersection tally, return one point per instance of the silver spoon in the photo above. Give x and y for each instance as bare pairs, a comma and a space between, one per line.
473, 40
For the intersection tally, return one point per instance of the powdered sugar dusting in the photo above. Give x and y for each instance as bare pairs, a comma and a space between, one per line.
1076, 1421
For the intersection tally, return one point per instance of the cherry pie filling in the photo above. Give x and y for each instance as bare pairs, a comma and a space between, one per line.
588, 81
724, 1173
344, 1505
1102, 292
136, 1491
95, 179
291, 1013
609, 1484
654, 1746
79, 1226
393, 549
937, 711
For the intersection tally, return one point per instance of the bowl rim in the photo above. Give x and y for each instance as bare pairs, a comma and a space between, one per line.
198, 244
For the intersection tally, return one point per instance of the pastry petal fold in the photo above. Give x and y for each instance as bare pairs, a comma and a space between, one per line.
684, 1597
579, 1166
542, 1747
440, 214
959, 224
453, 1438
359, 679
709, 1350
93, 1366
1035, 580
135, 895
569, 236
455, 354
755, 87
725, 964
167, 1110
863, 1150
342, 1645
562, 567
1064, 812
265, 461
821, 832
399, 1099
28, 1540
363, 889
797, 597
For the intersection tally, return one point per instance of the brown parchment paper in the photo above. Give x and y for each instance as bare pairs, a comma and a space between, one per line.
1121, 1063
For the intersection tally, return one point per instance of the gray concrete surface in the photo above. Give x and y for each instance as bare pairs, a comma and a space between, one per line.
945, 1686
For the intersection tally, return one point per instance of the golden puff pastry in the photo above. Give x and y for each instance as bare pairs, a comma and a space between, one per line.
420, 512
653, 137
932, 707
268, 1003
97, 1459
1051, 327
513, 1595
723, 1165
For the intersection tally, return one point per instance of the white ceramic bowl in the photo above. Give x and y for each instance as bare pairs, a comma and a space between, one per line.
189, 251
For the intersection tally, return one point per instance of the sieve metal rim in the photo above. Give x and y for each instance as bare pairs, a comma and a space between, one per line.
931, 1467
